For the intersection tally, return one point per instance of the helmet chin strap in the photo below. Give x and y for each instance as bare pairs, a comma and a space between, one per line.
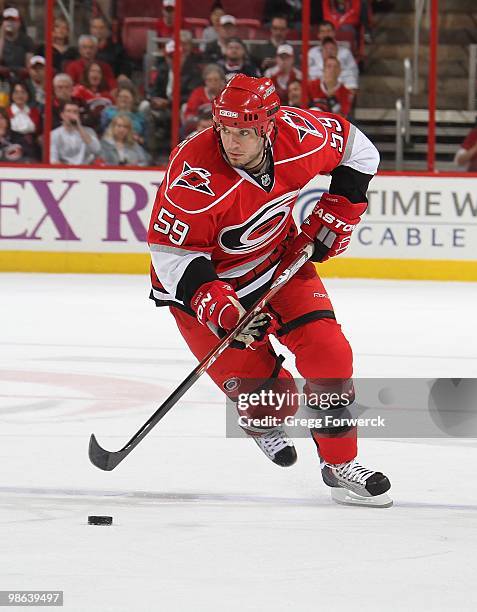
265, 149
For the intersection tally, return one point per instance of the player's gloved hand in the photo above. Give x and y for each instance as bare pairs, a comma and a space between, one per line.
217, 305
330, 226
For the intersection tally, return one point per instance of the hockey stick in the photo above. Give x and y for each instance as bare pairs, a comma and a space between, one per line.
108, 460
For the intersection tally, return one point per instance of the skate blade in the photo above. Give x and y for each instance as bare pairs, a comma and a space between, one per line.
348, 498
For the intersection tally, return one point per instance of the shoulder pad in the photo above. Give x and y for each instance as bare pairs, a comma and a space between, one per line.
305, 131
198, 178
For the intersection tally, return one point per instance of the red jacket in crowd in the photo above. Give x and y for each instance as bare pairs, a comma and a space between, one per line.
349, 16
86, 95
76, 68
339, 101
198, 98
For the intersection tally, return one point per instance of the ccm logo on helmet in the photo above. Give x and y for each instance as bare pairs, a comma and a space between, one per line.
227, 113
338, 224
269, 91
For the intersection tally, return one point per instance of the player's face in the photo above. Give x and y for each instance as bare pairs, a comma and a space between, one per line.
243, 147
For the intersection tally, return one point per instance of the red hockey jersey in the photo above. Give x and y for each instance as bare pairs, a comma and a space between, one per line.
207, 208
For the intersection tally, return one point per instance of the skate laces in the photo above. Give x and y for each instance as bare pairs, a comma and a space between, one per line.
353, 471
273, 441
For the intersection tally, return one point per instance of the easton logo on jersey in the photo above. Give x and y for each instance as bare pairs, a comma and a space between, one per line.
301, 125
196, 179
260, 229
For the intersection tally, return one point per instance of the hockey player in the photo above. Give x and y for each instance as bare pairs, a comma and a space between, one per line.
221, 229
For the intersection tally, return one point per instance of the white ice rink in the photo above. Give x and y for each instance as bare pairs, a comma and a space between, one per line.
203, 523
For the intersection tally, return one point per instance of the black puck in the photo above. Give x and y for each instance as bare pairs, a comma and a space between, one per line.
100, 520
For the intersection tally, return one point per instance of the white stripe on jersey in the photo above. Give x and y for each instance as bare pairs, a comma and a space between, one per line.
360, 154
258, 282
244, 268
164, 297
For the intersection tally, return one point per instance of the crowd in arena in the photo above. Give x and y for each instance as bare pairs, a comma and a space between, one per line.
106, 111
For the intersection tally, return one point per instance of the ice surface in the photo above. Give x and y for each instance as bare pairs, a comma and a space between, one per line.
201, 522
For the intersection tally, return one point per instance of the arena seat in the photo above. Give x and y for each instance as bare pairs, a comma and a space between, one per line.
246, 9
136, 8
196, 25
202, 9
248, 28
349, 37
134, 35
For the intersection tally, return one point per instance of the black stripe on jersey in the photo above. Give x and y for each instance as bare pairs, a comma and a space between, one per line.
198, 272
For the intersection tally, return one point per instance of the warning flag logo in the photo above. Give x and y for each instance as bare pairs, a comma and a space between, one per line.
196, 179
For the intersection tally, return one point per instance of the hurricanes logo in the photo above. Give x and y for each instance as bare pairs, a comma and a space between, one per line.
301, 125
260, 229
232, 384
196, 179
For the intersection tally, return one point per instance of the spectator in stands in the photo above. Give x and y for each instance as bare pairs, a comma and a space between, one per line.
294, 94
236, 60
291, 10
158, 107
205, 121
62, 92
329, 48
112, 53
201, 98
12, 146
265, 56
62, 52
94, 93
126, 105
165, 25
88, 47
25, 119
343, 14
72, 143
328, 94
467, 153
92, 85
36, 80
16, 47
349, 67
211, 32
190, 72
284, 72
215, 50
118, 147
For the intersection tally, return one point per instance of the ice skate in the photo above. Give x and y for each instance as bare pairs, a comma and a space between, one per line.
277, 446
354, 485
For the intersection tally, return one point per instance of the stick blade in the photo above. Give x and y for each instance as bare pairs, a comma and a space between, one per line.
101, 458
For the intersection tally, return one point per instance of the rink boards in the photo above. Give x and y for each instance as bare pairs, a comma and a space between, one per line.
95, 220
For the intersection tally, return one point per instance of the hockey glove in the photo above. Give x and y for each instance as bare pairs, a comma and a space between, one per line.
217, 305
330, 226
